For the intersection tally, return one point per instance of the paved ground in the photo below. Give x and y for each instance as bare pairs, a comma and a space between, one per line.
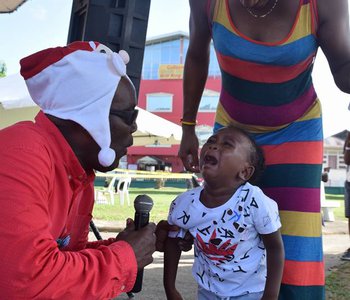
335, 242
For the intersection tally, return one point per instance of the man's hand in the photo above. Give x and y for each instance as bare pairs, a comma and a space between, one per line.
162, 230
142, 241
186, 243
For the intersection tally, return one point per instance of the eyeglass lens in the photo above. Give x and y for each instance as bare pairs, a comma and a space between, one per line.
128, 116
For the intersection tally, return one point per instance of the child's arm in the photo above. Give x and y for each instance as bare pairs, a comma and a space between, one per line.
275, 262
172, 255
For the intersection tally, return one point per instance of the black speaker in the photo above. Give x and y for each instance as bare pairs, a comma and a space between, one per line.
118, 24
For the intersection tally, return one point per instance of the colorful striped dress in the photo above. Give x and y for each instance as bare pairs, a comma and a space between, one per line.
267, 89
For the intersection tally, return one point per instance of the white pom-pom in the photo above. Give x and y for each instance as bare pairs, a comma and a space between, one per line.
124, 55
106, 157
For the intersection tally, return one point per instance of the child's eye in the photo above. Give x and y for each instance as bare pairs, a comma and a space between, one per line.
210, 141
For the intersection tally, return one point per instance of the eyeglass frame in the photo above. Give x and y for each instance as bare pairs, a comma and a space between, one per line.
128, 116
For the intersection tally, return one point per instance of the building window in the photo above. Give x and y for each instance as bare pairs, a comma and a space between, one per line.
172, 52
160, 102
209, 101
333, 161
167, 52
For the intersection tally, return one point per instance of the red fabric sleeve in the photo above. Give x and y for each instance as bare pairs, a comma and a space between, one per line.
32, 265
96, 244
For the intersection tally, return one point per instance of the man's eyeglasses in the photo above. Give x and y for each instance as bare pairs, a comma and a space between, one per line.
128, 116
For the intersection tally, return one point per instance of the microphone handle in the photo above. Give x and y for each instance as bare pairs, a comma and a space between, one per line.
141, 219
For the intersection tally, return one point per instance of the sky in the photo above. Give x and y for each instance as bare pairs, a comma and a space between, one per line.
39, 24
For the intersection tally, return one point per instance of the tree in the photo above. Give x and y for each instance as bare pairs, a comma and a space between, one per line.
3, 68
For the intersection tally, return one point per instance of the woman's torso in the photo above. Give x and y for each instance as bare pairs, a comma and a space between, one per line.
266, 64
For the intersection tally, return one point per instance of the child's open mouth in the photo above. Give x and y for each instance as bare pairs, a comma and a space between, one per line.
210, 160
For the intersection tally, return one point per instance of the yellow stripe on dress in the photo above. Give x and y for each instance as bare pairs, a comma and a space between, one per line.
303, 25
314, 112
304, 224
222, 16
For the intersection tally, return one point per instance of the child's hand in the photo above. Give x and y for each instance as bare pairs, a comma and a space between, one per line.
173, 295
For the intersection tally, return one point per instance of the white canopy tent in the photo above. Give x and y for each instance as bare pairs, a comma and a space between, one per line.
8, 6
17, 105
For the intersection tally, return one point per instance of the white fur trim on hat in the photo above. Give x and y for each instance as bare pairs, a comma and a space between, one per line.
106, 156
79, 86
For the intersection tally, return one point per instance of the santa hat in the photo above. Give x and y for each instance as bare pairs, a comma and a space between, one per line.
78, 83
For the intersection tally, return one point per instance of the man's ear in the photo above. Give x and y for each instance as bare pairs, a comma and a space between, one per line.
246, 173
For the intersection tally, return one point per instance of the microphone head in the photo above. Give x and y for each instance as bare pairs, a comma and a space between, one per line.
143, 203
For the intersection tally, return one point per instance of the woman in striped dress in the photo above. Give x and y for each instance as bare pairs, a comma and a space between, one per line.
266, 50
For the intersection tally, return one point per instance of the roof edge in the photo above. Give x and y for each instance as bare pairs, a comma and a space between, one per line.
166, 37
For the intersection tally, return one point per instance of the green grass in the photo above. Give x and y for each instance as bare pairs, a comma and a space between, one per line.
338, 211
337, 283
161, 199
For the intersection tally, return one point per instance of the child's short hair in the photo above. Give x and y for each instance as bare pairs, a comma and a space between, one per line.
256, 155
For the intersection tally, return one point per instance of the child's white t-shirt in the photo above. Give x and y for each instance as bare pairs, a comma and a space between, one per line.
230, 256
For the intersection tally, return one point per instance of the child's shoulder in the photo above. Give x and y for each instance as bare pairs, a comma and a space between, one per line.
186, 201
257, 193
252, 189
189, 194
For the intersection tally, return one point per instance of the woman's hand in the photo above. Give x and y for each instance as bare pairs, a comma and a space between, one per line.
188, 151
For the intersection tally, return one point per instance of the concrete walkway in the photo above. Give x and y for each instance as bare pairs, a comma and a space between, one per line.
335, 242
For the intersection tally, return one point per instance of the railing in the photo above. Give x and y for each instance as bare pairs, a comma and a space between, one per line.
123, 173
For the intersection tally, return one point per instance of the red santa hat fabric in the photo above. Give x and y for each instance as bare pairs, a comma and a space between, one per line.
78, 82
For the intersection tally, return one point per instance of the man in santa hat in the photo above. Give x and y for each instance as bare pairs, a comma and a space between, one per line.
47, 168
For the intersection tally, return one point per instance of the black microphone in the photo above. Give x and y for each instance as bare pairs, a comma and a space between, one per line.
143, 205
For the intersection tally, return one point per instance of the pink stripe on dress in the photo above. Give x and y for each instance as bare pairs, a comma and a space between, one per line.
252, 114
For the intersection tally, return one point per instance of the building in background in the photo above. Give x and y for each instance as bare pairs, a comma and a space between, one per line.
161, 94
333, 157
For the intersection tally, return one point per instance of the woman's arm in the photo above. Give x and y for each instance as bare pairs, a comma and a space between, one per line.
334, 38
172, 255
195, 76
275, 262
